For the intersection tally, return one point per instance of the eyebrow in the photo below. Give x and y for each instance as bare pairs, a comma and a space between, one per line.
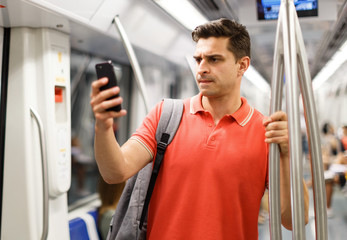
209, 56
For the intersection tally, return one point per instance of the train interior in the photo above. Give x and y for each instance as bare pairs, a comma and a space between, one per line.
51, 44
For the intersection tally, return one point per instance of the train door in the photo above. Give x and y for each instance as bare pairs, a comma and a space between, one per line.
37, 141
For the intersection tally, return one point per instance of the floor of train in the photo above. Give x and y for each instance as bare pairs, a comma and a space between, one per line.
337, 224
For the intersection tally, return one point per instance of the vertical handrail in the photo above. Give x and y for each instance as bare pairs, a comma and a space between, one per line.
293, 113
274, 163
289, 40
133, 61
45, 210
313, 139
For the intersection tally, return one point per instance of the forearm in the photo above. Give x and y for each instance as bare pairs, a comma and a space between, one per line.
276, 127
117, 164
286, 213
108, 155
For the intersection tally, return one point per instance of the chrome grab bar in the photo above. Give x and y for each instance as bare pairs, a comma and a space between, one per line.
133, 61
45, 217
290, 55
293, 110
314, 140
274, 163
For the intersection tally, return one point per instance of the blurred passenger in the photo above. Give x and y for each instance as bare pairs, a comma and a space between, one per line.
109, 195
304, 139
79, 162
215, 170
330, 142
331, 154
344, 138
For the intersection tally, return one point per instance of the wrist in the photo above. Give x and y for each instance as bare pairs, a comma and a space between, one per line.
102, 126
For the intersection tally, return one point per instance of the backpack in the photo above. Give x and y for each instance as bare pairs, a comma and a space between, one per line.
130, 218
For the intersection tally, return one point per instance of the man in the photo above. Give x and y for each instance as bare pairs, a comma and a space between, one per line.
215, 170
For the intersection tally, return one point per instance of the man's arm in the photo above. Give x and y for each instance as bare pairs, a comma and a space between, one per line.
276, 127
116, 164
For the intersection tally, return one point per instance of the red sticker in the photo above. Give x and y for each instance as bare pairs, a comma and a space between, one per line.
1, 6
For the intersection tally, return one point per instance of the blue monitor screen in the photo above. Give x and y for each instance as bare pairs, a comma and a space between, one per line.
268, 9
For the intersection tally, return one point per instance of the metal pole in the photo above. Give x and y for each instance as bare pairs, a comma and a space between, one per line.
313, 139
133, 61
274, 163
295, 64
293, 113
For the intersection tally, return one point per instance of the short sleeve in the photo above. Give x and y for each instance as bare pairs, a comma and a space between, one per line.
145, 134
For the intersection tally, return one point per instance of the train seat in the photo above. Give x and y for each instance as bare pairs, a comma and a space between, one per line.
84, 226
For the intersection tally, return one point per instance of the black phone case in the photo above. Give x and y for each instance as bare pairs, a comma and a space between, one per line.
106, 70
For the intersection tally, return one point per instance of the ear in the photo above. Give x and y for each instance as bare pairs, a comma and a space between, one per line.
244, 64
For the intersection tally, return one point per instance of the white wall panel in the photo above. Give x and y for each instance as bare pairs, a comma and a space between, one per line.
33, 75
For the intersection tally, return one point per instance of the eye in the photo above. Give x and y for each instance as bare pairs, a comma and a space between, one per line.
197, 60
213, 59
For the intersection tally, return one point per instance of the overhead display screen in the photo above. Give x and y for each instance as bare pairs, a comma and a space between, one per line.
268, 9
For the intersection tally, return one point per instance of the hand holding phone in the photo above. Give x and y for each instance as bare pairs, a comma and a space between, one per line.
106, 69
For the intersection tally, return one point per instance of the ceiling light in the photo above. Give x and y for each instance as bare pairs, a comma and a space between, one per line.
331, 67
183, 11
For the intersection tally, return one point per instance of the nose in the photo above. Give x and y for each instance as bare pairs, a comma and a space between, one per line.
202, 67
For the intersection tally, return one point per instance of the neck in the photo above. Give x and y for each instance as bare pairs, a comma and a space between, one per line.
221, 106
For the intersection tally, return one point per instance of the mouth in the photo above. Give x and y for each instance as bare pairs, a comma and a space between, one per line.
204, 80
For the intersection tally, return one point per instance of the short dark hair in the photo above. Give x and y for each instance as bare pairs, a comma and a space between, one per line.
239, 40
325, 128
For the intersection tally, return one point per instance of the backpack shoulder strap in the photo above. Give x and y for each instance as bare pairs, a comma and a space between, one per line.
168, 124
170, 118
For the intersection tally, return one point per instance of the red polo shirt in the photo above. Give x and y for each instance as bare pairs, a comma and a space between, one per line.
212, 177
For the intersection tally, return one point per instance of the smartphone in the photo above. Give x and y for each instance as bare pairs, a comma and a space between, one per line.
106, 69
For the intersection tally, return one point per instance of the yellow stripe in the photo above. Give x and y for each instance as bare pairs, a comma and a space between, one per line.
144, 145
249, 116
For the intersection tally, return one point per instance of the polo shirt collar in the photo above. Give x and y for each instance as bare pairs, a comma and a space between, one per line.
242, 115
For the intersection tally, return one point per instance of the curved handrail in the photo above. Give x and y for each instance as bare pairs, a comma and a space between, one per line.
45, 218
133, 61
313, 140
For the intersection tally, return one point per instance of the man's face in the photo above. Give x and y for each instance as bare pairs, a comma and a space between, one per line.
217, 72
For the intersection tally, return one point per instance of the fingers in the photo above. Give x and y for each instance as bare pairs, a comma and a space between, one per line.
110, 114
278, 136
277, 116
97, 84
276, 133
276, 127
97, 95
102, 100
